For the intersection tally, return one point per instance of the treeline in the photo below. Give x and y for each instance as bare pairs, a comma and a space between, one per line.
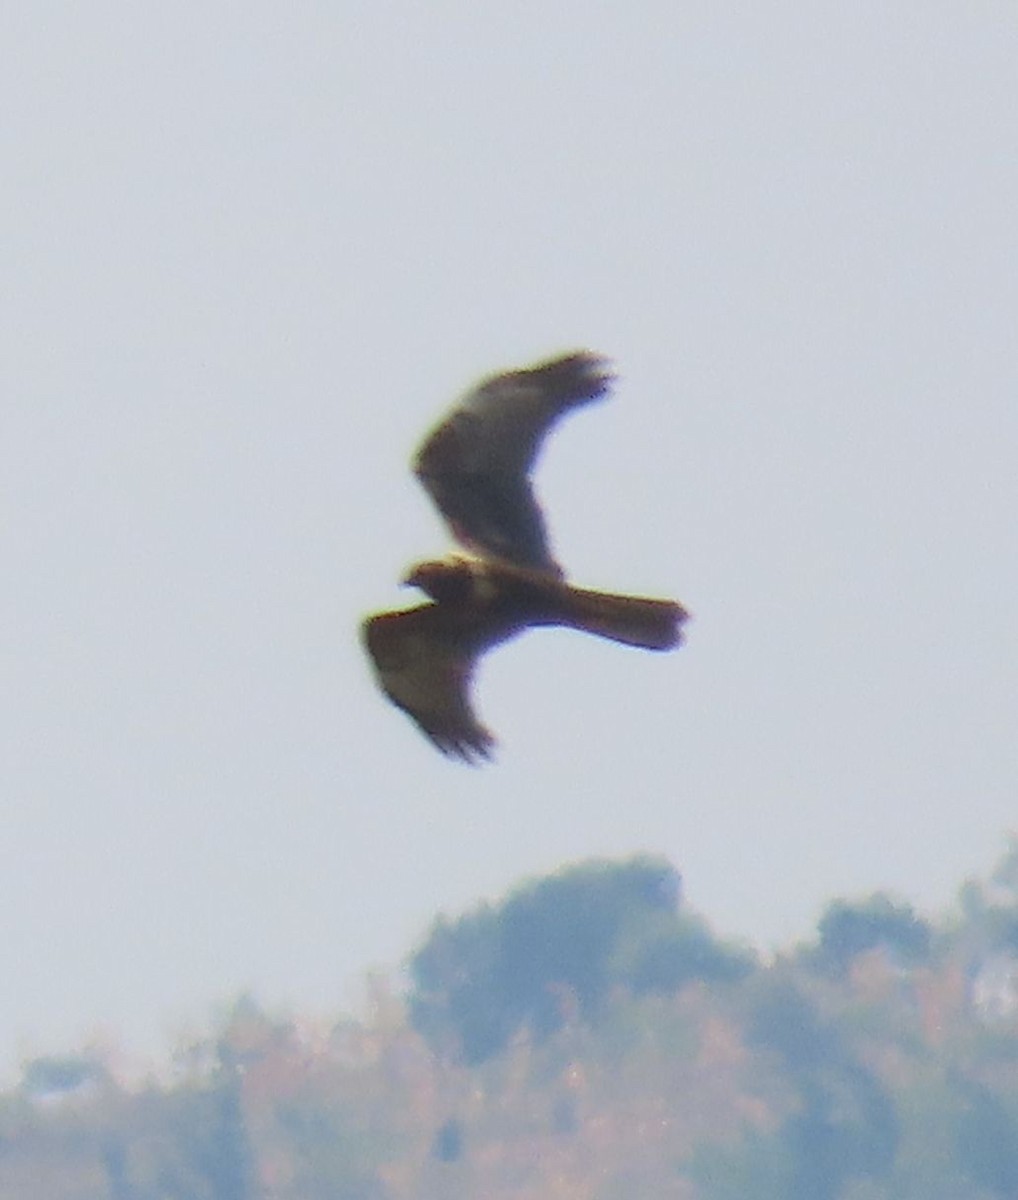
587, 1038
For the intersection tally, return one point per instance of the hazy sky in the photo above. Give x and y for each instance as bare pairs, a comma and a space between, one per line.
251, 251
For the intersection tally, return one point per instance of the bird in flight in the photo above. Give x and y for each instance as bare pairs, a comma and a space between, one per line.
476, 466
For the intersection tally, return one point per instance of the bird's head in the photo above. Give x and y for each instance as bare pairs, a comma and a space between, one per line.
447, 582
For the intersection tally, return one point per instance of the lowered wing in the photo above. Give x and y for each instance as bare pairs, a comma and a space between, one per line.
425, 660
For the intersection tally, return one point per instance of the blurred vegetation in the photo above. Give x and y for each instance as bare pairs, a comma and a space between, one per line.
586, 1038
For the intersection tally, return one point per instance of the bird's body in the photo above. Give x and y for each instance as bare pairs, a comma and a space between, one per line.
425, 657
476, 467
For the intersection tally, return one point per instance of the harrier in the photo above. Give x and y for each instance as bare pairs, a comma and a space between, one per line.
476, 466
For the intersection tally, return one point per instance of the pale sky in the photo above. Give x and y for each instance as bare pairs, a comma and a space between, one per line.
251, 251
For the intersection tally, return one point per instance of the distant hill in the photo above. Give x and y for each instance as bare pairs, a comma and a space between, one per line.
586, 1038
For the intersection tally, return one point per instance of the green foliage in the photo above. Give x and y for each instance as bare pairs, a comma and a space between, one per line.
1005, 873
845, 1125
847, 1128
562, 941
986, 1140
661, 1063
52, 1075
781, 1017
209, 1154
455, 976
849, 929
670, 951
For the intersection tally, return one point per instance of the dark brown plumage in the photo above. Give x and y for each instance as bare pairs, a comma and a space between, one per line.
476, 467
425, 657
476, 464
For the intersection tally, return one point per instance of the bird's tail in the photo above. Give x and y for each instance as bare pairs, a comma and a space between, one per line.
633, 620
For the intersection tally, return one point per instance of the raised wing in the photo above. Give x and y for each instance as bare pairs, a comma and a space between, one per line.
425, 659
476, 464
